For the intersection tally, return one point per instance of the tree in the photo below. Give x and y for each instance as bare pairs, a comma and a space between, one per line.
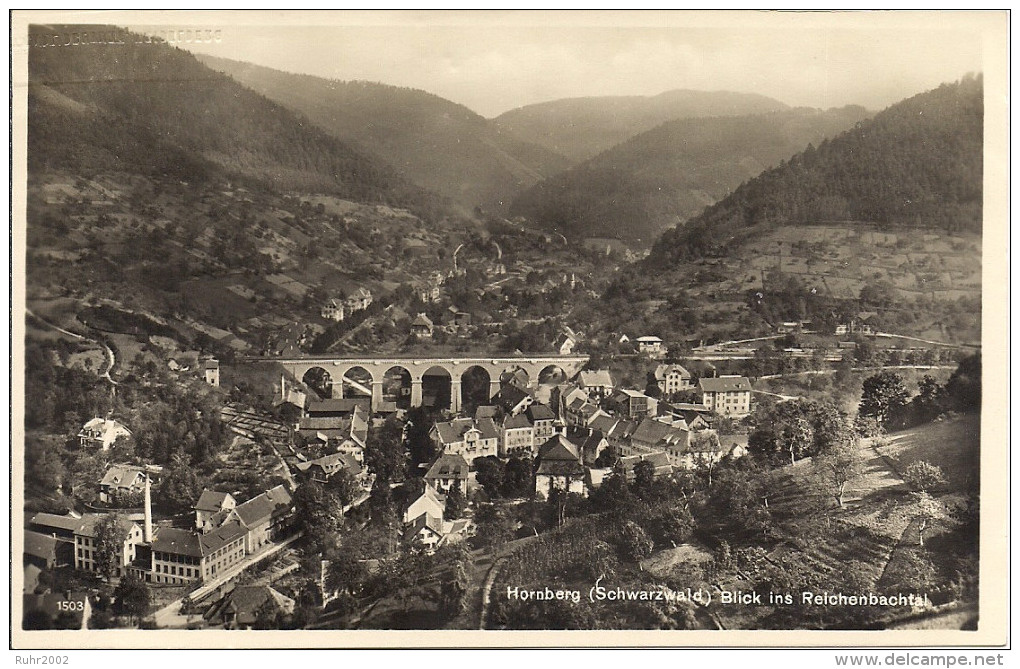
385, 455
318, 513
838, 465
44, 470
419, 444
455, 504
644, 479
344, 573
707, 451
489, 474
344, 486
796, 437
518, 479
927, 510
132, 597
633, 541
740, 498
109, 544
884, 397
180, 487
929, 401
671, 526
923, 476
495, 527
784, 431
963, 390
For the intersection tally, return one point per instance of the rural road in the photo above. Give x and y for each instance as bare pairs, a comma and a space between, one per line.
111, 360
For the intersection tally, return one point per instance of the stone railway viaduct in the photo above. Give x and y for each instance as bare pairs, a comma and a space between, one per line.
417, 367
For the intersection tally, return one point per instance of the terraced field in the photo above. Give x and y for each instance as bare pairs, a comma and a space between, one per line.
820, 543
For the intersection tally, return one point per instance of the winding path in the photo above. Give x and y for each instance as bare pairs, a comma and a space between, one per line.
109, 351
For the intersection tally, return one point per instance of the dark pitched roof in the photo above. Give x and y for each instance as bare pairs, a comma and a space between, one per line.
486, 411
577, 403
604, 424
318, 423
90, 520
662, 371
453, 431
659, 460
449, 466
587, 441
338, 405
516, 422
724, 384
623, 429
40, 545
488, 428
52, 520
211, 500
421, 522
537, 412
509, 397
421, 320
122, 476
570, 468
221, 536
333, 463
177, 541
597, 378
263, 507
558, 448
651, 431
245, 602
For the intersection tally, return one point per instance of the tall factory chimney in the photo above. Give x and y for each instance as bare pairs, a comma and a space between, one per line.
147, 529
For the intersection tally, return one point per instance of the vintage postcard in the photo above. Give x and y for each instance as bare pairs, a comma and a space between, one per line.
509, 329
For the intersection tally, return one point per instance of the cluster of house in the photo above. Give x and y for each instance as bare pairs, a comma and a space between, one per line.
423, 327
225, 533
424, 524
567, 436
337, 309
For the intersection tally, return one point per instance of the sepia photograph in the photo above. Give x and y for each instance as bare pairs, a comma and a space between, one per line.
509, 328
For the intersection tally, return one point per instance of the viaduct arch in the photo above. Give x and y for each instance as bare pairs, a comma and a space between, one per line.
377, 367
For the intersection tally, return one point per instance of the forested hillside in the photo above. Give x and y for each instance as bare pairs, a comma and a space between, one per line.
918, 163
154, 109
438, 144
580, 128
650, 182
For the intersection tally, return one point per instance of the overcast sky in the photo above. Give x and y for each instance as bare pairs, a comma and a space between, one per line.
493, 62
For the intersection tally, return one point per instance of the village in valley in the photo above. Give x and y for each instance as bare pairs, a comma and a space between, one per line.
314, 395
379, 473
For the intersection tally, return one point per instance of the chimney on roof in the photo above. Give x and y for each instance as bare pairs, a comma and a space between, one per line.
147, 528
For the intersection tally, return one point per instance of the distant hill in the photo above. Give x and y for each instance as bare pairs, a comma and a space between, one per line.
917, 163
650, 182
438, 144
580, 128
155, 109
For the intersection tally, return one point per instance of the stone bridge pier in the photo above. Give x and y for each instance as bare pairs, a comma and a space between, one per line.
419, 367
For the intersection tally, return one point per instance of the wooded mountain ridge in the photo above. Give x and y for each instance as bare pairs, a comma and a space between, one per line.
580, 128
438, 144
666, 175
917, 163
154, 109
